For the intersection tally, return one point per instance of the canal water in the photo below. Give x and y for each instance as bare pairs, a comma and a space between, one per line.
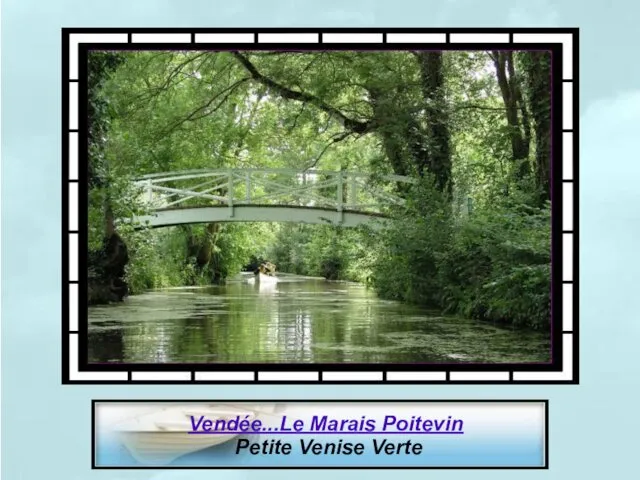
297, 320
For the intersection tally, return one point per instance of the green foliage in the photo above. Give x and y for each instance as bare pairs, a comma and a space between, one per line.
160, 257
407, 266
327, 251
494, 265
157, 259
289, 250
500, 261
168, 111
101, 66
236, 243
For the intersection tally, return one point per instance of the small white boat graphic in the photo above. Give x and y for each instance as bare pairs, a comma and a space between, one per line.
160, 437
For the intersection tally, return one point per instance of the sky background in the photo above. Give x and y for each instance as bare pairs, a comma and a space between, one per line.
46, 426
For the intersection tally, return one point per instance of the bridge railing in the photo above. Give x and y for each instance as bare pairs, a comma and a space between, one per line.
336, 190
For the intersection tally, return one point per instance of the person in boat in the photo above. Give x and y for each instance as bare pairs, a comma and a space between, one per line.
266, 268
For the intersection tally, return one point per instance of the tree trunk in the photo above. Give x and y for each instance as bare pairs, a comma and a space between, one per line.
409, 146
438, 135
513, 102
539, 89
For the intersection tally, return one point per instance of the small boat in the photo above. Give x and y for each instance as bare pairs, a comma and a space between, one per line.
265, 274
160, 437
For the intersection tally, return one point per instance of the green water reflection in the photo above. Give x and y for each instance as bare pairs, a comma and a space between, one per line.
297, 320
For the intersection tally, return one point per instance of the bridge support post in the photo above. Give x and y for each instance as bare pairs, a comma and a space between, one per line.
149, 191
353, 200
247, 178
230, 193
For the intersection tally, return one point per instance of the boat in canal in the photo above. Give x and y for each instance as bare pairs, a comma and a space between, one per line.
265, 274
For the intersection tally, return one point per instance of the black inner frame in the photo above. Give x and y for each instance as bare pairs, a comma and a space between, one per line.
556, 365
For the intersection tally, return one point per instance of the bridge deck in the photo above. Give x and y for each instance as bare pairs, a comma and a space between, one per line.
256, 213
268, 195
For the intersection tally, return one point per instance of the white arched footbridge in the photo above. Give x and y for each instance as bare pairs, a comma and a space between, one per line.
342, 198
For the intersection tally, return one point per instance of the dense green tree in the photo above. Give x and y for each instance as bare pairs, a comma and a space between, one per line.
108, 254
538, 75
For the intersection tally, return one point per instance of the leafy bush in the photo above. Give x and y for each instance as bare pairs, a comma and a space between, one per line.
334, 253
157, 260
494, 265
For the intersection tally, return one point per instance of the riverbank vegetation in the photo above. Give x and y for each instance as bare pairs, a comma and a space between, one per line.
473, 128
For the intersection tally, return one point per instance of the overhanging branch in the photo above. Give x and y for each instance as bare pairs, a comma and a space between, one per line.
335, 139
204, 110
354, 126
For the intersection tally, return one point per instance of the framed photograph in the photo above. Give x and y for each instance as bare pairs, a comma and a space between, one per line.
320, 205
